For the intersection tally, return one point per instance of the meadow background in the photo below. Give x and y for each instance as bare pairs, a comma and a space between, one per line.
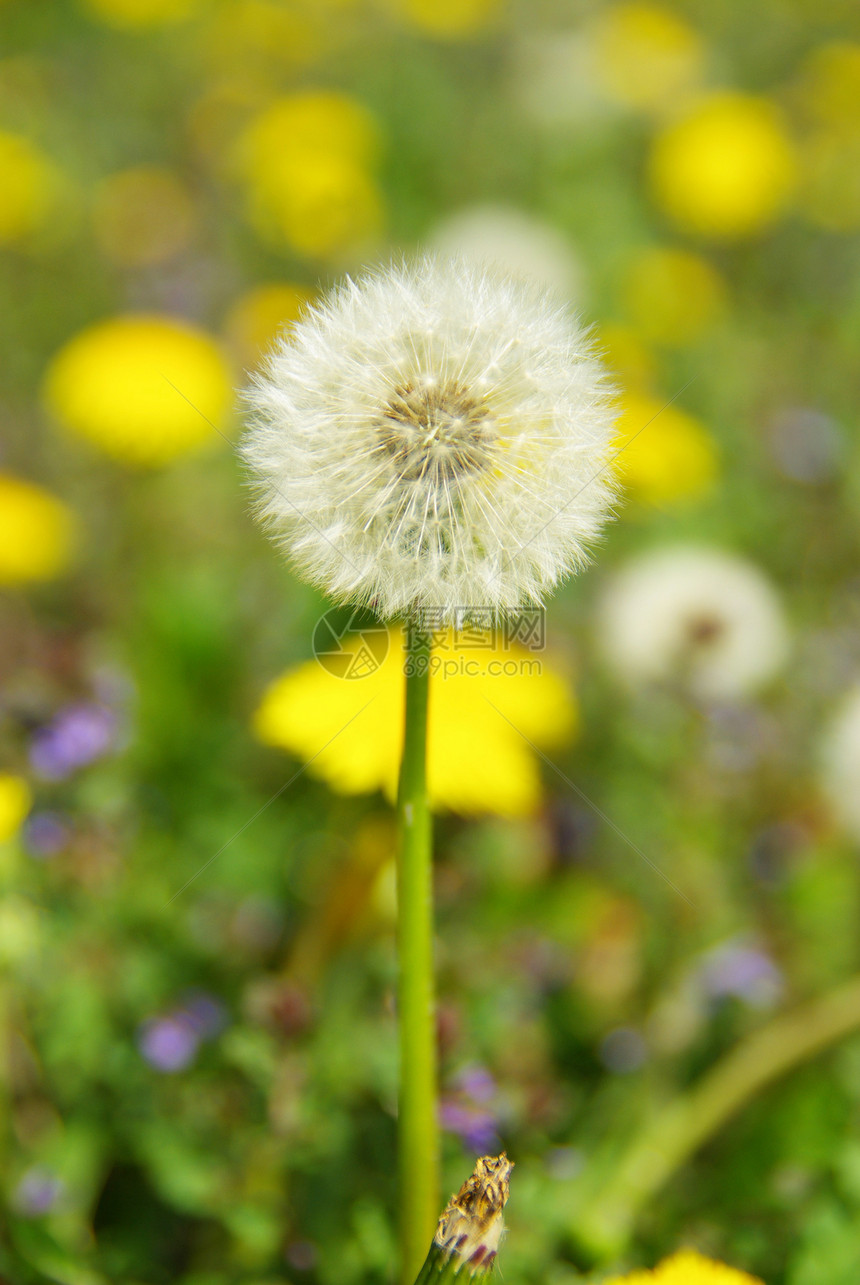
197, 1047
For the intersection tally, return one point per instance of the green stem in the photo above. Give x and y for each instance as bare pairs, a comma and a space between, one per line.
606, 1222
418, 1169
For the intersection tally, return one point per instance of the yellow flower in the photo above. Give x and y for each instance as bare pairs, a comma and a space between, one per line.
448, 19
29, 188
259, 315
307, 163
142, 13
646, 56
673, 296
15, 803
666, 455
687, 1268
142, 216
726, 168
321, 205
37, 533
143, 388
478, 762
305, 123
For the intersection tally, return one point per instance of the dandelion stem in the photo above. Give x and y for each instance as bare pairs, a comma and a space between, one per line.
418, 1177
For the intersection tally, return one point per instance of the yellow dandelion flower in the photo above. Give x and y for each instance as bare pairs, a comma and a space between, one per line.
15, 802
687, 1268
260, 315
448, 19
666, 455
131, 14
646, 56
478, 761
672, 296
307, 163
143, 388
302, 124
726, 168
37, 532
321, 205
142, 216
29, 188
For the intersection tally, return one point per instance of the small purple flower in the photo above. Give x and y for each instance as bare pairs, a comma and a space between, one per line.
45, 834
77, 736
741, 971
38, 1192
168, 1044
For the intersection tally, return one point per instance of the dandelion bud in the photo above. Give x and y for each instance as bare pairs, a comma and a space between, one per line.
432, 437
470, 1230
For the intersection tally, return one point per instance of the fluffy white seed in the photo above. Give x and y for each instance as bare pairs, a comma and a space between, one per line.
433, 437
704, 619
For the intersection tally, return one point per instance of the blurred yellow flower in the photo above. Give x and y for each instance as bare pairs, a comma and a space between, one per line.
143, 215
830, 84
37, 532
447, 19
307, 161
143, 388
646, 56
726, 168
15, 802
672, 296
478, 762
259, 316
142, 13
308, 122
266, 35
322, 205
687, 1268
630, 361
29, 188
666, 455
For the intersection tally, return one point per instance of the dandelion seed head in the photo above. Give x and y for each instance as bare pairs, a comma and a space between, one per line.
700, 617
433, 436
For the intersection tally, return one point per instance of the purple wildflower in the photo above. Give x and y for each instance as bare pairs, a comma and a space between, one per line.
38, 1192
168, 1044
741, 971
77, 736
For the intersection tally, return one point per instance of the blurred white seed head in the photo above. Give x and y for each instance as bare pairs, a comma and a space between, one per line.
503, 237
698, 617
840, 763
433, 437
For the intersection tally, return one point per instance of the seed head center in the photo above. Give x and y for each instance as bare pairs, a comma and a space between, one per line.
437, 431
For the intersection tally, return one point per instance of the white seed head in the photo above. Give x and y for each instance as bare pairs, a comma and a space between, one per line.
840, 763
433, 437
704, 619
